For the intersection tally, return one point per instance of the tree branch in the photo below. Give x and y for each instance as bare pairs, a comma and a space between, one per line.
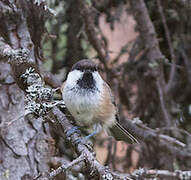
150, 136
92, 33
85, 150
63, 168
153, 55
147, 174
172, 54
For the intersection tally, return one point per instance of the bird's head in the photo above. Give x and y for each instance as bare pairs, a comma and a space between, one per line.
84, 74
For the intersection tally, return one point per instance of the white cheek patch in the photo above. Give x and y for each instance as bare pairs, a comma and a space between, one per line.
98, 80
73, 77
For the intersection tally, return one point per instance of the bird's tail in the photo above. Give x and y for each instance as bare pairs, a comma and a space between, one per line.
121, 134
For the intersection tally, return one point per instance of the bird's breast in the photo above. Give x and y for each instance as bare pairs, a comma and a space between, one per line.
82, 105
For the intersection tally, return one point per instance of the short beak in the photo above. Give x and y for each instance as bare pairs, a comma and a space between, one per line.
87, 71
87, 75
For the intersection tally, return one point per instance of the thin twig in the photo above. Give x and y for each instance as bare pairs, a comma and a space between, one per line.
162, 102
92, 33
65, 167
169, 41
152, 173
148, 135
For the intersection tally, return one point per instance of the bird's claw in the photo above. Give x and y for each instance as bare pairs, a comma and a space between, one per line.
85, 142
91, 135
73, 130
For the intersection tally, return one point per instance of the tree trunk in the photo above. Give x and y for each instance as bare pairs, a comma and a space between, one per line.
24, 143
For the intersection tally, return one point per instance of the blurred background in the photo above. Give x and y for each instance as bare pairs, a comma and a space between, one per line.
143, 49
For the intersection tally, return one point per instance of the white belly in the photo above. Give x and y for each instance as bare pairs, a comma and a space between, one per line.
82, 106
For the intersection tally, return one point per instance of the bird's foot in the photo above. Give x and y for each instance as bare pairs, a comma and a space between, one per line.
90, 135
85, 142
73, 130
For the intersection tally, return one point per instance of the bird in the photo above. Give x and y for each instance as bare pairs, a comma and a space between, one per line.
90, 101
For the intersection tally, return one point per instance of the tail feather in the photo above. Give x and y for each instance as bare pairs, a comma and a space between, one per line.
121, 134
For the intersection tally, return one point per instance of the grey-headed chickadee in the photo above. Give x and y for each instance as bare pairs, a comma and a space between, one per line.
89, 100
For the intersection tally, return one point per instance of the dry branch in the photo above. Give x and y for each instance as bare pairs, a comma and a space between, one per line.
172, 54
150, 136
148, 174
153, 55
92, 32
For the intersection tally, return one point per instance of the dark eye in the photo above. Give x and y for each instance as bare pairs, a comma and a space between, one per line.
80, 68
93, 68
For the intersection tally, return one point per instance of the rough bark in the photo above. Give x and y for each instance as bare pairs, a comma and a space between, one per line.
24, 141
